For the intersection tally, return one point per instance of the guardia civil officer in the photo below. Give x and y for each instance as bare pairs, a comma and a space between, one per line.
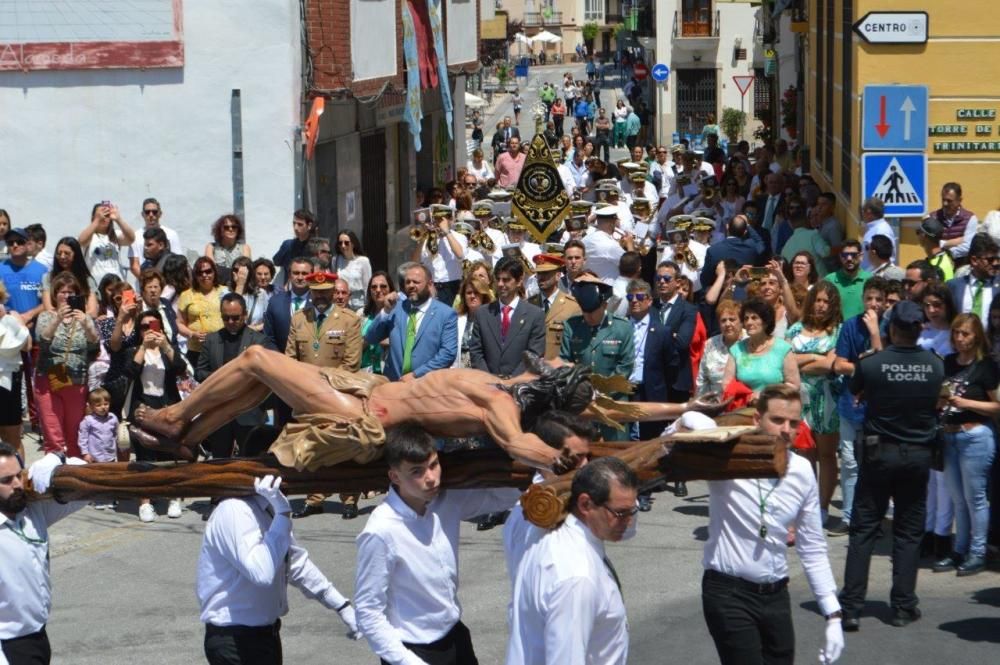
903, 383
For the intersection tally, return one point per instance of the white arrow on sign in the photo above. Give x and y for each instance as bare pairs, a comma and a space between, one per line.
907, 108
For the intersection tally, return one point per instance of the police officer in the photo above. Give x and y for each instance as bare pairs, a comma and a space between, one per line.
895, 459
325, 335
598, 339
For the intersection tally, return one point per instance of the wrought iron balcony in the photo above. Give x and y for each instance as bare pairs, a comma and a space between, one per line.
537, 19
696, 31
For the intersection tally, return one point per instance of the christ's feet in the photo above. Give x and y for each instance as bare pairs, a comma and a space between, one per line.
160, 442
156, 420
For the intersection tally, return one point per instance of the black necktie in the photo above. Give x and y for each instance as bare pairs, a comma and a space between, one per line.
545, 305
614, 573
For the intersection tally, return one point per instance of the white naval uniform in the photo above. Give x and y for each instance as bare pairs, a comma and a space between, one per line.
699, 250
603, 253
444, 266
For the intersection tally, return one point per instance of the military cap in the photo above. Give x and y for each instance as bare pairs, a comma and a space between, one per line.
321, 281
483, 208
548, 262
439, 210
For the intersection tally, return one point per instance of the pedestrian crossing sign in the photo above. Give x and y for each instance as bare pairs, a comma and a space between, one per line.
898, 179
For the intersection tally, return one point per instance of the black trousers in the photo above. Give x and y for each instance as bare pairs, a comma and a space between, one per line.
243, 645
749, 626
455, 648
30, 649
899, 472
228, 438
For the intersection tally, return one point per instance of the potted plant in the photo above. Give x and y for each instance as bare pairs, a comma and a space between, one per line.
732, 123
790, 111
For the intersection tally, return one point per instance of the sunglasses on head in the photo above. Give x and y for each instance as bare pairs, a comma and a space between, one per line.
636, 296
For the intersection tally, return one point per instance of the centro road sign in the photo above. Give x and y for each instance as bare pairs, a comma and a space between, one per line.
893, 27
894, 117
660, 72
898, 179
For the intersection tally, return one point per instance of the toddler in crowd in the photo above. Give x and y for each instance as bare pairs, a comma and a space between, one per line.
97, 432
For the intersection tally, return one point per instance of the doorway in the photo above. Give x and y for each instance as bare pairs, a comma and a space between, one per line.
375, 226
696, 99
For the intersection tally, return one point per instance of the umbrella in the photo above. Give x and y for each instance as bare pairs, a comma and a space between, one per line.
547, 37
473, 102
520, 37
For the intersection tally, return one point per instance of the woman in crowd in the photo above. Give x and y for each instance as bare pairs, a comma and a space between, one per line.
353, 267
68, 342
742, 177
228, 244
939, 308
969, 444
379, 287
176, 278
558, 114
814, 343
102, 244
4, 228
105, 305
154, 369
716, 354
264, 271
620, 115
802, 270
479, 167
198, 309
710, 127
732, 200
243, 281
760, 359
474, 293
15, 339
69, 257
517, 101
120, 336
152, 284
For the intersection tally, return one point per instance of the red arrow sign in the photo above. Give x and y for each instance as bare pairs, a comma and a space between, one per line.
882, 128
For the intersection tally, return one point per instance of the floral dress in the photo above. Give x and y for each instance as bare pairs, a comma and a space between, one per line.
819, 393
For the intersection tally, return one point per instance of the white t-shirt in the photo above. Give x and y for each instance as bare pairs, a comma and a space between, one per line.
103, 257
136, 250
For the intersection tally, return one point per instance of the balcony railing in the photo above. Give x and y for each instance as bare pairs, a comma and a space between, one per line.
596, 15
536, 19
691, 27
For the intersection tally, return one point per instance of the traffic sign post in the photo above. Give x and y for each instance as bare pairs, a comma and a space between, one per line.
743, 83
660, 72
894, 117
893, 27
899, 180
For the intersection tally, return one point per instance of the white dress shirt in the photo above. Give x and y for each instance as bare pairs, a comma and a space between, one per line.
24, 575
734, 544
603, 253
136, 249
877, 227
640, 330
243, 575
406, 588
567, 606
444, 266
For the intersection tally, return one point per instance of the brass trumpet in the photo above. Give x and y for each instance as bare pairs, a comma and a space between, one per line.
688, 257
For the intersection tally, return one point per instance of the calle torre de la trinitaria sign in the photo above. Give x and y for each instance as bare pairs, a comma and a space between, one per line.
973, 130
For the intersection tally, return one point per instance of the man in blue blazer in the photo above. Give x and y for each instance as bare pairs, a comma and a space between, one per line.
278, 318
981, 278
654, 352
422, 332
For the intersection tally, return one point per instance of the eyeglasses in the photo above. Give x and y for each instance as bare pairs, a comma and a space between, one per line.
13, 242
636, 296
231, 317
154, 213
344, 243
206, 271
849, 255
664, 278
622, 514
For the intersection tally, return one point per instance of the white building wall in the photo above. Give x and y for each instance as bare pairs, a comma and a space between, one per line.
373, 38
72, 138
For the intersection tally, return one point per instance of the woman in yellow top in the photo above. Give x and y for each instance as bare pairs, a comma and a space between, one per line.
198, 308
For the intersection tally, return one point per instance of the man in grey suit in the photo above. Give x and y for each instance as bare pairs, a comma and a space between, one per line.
221, 347
507, 327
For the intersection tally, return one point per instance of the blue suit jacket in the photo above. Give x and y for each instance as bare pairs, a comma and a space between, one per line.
278, 318
680, 323
958, 285
437, 338
657, 357
745, 251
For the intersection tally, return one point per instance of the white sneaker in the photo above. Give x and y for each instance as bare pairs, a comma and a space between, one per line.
174, 509
147, 513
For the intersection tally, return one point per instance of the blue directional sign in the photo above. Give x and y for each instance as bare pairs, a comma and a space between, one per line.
894, 117
898, 179
660, 72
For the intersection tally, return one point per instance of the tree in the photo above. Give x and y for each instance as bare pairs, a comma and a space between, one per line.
589, 32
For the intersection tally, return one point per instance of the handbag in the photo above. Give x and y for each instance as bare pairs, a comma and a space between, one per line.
58, 375
122, 437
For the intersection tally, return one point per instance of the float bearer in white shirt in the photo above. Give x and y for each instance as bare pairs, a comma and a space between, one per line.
248, 558
406, 591
744, 591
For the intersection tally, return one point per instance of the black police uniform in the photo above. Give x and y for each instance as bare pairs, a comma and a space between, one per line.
901, 386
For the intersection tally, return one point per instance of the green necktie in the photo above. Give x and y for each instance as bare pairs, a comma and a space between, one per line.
411, 339
320, 318
977, 299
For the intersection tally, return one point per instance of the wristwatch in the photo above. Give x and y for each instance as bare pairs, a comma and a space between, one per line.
839, 614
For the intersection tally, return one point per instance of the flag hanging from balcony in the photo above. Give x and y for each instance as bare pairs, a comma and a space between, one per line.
426, 61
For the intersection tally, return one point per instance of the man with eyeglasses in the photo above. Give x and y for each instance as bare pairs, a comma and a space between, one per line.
24, 550
850, 279
744, 591
319, 250
568, 605
975, 291
152, 214
219, 348
918, 275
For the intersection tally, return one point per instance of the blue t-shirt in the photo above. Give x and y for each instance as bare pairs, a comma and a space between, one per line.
24, 284
853, 341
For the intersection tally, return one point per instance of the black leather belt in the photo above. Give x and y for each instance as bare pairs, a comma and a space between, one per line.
762, 588
270, 629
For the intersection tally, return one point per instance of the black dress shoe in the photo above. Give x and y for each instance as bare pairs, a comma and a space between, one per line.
946, 564
350, 511
306, 510
680, 488
850, 624
971, 566
902, 618
645, 503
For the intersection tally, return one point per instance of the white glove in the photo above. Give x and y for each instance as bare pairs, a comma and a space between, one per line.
347, 616
269, 487
834, 642
40, 473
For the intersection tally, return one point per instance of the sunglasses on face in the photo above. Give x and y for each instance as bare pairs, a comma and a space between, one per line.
849, 255
154, 213
910, 283
380, 287
664, 278
344, 243
207, 271
231, 317
636, 296
230, 227
14, 242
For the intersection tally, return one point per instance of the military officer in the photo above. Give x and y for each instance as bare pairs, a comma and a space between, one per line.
325, 335
558, 306
598, 339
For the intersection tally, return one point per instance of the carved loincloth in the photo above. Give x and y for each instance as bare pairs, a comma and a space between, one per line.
320, 439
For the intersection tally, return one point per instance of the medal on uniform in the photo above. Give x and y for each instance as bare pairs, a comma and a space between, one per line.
316, 346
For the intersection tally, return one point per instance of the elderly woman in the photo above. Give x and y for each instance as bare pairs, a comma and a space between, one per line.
474, 293
15, 338
775, 290
716, 355
68, 341
802, 270
760, 359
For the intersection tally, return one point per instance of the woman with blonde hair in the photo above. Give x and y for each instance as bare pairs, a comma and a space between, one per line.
473, 294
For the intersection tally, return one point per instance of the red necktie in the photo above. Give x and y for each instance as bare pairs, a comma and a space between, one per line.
505, 322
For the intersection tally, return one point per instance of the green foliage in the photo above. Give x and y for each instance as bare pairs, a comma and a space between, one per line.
589, 31
732, 123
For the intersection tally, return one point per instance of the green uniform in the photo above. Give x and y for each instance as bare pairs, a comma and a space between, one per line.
608, 349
